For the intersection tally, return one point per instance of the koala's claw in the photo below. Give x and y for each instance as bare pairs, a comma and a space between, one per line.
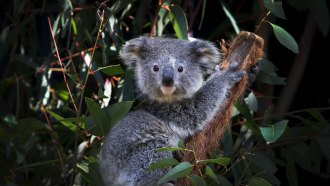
253, 73
217, 68
237, 76
234, 65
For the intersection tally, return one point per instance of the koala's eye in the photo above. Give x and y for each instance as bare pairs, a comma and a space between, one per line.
180, 69
155, 68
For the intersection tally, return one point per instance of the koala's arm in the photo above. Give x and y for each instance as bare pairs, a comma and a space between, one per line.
212, 97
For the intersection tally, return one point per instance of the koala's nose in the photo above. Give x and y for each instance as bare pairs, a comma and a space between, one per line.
168, 76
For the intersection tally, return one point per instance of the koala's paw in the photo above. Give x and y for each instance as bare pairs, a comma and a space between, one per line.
233, 74
254, 72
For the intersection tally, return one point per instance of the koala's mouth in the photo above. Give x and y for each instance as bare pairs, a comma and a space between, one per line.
167, 90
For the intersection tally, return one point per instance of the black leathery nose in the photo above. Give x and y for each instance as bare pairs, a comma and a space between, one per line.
168, 76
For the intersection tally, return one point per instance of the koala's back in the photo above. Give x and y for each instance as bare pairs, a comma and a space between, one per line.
130, 148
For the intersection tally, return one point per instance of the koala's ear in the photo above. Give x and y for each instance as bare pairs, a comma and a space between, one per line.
207, 54
133, 50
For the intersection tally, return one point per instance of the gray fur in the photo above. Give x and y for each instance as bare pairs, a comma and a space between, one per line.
168, 114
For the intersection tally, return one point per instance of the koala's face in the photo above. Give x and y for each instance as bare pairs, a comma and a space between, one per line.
169, 70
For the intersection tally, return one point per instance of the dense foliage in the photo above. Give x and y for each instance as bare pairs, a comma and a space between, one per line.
63, 87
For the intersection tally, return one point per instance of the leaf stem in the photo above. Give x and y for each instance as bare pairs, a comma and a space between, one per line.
263, 20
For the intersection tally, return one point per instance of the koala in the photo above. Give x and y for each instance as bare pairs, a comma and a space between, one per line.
182, 89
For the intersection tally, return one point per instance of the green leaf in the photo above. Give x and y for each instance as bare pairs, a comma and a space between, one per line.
196, 180
272, 133
74, 27
62, 120
98, 122
220, 161
252, 102
267, 66
179, 171
169, 149
62, 94
317, 115
257, 181
228, 144
320, 12
111, 70
230, 17
303, 151
100, 94
179, 22
163, 18
271, 79
181, 144
275, 7
267, 73
83, 167
203, 13
224, 181
120, 5
209, 172
163, 163
117, 111
285, 38
263, 161
243, 108
291, 172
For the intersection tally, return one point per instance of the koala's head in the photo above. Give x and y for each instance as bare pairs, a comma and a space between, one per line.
168, 70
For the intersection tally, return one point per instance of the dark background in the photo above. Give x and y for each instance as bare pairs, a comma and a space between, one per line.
313, 90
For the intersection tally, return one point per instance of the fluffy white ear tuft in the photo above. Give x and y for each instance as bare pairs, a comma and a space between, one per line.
207, 54
132, 51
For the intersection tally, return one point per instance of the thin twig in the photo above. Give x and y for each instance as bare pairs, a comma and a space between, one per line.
81, 101
59, 152
72, 56
263, 20
59, 59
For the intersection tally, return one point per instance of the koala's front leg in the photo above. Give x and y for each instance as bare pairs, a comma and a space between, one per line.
213, 96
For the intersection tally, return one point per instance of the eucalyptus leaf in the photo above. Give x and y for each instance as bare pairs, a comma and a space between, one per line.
83, 167
270, 78
220, 161
320, 12
179, 22
196, 180
263, 161
224, 181
230, 17
98, 122
117, 111
63, 121
252, 102
285, 38
275, 7
290, 170
209, 172
111, 70
179, 171
272, 133
163, 163
243, 108
257, 181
